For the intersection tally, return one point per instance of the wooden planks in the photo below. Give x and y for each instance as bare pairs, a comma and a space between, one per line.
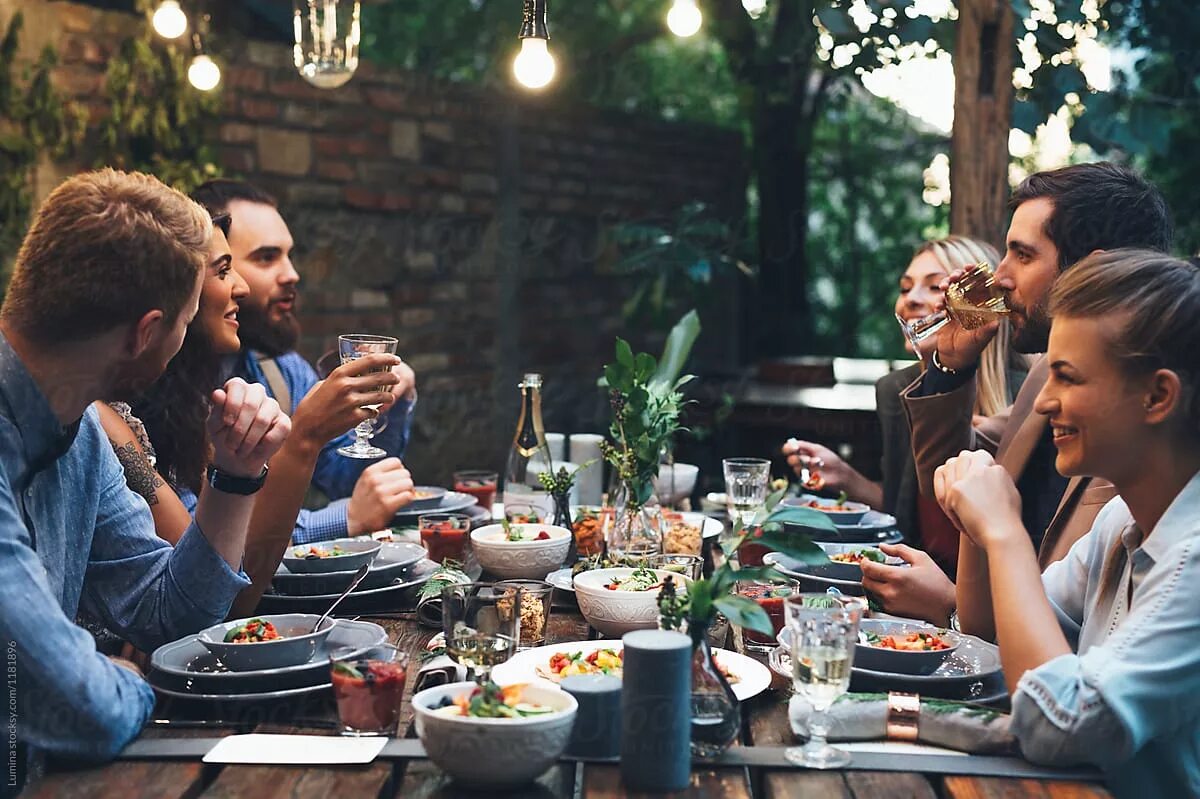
997, 788
604, 781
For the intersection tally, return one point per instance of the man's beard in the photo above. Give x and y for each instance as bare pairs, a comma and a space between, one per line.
259, 332
1034, 335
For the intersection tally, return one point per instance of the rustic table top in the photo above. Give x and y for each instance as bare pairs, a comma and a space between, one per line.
764, 723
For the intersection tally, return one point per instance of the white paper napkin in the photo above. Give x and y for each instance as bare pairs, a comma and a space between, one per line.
298, 750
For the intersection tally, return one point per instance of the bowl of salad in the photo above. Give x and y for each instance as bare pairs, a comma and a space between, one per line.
840, 510
491, 737
521, 551
844, 560
342, 555
266, 642
902, 647
618, 600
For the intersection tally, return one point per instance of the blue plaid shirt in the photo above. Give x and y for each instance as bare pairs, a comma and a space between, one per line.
74, 538
335, 475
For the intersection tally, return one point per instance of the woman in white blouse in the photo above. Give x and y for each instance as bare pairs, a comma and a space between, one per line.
1102, 652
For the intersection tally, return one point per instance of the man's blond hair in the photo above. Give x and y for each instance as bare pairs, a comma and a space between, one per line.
104, 249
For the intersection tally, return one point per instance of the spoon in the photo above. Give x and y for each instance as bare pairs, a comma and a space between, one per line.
358, 578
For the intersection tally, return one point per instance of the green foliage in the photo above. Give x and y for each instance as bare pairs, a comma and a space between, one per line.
673, 266
156, 121
646, 404
37, 121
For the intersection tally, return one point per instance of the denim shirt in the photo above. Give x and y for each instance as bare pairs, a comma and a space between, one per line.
1129, 700
74, 537
335, 475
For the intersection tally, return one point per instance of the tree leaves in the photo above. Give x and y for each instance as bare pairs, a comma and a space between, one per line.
745, 612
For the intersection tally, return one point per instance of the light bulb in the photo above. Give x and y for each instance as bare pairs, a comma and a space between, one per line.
534, 66
755, 8
684, 18
169, 20
204, 73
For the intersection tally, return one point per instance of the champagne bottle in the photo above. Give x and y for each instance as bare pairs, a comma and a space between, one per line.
528, 456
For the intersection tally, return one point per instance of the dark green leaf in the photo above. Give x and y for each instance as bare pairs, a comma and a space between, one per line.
677, 349
792, 542
624, 353
802, 517
744, 612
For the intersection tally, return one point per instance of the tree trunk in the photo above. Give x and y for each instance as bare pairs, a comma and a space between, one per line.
983, 97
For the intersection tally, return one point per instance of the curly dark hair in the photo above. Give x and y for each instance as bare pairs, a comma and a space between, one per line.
175, 408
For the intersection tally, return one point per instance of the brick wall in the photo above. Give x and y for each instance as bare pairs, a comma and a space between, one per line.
467, 222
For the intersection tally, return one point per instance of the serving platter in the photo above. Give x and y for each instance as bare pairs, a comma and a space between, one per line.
753, 677
186, 666
393, 560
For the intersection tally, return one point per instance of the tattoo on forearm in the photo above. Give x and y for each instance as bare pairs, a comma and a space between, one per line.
139, 474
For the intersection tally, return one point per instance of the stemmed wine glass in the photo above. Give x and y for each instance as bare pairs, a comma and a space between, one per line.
482, 623
973, 300
824, 632
352, 347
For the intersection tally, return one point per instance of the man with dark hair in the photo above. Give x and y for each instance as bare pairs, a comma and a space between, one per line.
104, 285
1059, 216
365, 497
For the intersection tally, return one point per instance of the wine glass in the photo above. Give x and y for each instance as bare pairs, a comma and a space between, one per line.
746, 482
824, 632
352, 347
482, 623
973, 300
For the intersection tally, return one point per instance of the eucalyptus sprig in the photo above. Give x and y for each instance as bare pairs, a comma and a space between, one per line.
707, 597
560, 482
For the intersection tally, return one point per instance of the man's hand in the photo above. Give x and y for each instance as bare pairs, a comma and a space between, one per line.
382, 489
979, 496
246, 427
406, 385
920, 590
128, 665
957, 347
336, 404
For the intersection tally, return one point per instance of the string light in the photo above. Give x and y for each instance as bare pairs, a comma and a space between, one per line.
203, 73
684, 18
169, 20
534, 66
755, 8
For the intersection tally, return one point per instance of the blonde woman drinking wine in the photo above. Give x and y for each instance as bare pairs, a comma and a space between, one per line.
1102, 651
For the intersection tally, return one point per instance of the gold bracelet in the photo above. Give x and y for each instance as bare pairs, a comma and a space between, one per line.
903, 715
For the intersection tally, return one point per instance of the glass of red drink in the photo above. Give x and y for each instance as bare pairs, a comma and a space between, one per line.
369, 687
479, 484
445, 535
770, 596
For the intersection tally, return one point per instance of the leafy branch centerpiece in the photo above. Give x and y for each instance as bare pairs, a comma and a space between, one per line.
646, 402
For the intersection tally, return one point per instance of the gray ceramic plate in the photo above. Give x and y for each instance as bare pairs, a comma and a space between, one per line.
875, 528
187, 666
452, 502
358, 551
808, 580
393, 560
166, 689
400, 595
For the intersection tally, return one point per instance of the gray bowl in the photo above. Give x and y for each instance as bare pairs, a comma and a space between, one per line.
847, 571
853, 513
896, 661
297, 643
431, 498
359, 551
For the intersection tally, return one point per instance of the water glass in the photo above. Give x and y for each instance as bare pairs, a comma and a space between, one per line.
824, 632
482, 625
687, 565
746, 482
535, 610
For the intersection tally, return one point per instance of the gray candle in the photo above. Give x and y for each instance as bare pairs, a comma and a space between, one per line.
597, 731
656, 711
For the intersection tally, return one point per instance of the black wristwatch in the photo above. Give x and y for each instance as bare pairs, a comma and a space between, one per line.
229, 484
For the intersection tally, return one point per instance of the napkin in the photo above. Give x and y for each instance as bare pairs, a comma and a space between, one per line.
437, 668
950, 725
298, 750
429, 605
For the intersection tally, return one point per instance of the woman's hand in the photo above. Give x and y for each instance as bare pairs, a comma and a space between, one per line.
919, 590
246, 427
819, 465
980, 497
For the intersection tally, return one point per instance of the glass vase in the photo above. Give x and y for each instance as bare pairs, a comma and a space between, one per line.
635, 530
562, 518
716, 715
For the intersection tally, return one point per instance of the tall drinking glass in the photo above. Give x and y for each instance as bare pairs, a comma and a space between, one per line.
824, 632
350, 348
746, 482
972, 301
482, 623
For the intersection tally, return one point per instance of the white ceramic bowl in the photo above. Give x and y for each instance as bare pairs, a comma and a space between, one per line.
494, 753
615, 613
685, 482
521, 560
297, 642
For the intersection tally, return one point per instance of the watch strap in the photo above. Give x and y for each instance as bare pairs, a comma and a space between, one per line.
232, 484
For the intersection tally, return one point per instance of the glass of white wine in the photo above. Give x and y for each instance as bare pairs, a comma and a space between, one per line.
972, 301
352, 347
482, 623
824, 632
746, 481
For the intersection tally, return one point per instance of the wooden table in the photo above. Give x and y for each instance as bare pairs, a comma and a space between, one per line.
764, 723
